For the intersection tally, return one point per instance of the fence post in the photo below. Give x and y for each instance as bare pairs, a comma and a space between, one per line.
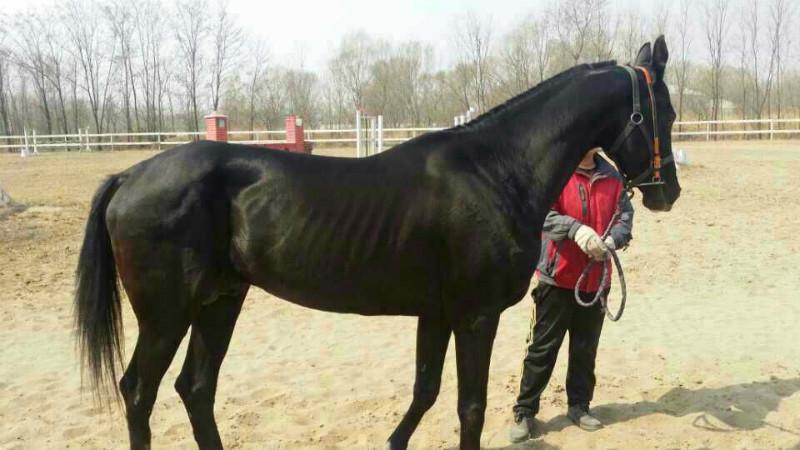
373, 132
358, 134
380, 133
708, 131
158, 138
66, 143
35, 150
771, 128
111, 138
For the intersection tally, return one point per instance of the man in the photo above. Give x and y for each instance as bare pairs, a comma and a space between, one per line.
571, 240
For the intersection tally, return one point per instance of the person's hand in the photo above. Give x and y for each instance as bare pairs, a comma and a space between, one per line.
590, 242
609, 241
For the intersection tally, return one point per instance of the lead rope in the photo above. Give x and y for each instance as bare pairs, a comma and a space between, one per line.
602, 291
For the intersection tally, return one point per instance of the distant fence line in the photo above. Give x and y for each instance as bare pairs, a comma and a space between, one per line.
83, 140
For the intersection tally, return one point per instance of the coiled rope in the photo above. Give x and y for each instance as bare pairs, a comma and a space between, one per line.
602, 291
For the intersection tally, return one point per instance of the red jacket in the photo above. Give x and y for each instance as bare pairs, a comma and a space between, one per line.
583, 201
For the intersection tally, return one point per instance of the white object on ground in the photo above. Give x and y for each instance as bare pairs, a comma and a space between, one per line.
681, 157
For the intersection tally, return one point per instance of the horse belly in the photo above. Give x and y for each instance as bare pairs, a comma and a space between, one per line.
348, 296
376, 287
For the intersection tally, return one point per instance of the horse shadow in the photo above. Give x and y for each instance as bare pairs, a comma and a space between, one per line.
736, 408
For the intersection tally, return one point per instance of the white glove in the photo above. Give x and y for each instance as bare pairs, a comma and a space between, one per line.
591, 244
610, 243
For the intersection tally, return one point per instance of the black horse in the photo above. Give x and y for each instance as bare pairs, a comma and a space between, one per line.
445, 227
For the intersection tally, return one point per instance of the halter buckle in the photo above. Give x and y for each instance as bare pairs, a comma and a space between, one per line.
654, 182
637, 118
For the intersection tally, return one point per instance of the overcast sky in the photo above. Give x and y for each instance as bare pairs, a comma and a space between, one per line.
308, 31
326, 21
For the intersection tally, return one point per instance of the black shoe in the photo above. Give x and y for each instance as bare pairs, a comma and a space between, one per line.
522, 430
580, 416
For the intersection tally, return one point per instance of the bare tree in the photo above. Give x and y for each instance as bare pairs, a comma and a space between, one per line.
31, 56
473, 40
227, 39
716, 30
275, 96
335, 110
121, 16
4, 77
258, 68
95, 54
744, 66
526, 55
414, 60
661, 18
300, 89
762, 82
56, 55
574, 25
379, 92
780, 12
603, 31
5, 66
631, 36
351, 67
682, 63
458, 82
153, 78
190, 32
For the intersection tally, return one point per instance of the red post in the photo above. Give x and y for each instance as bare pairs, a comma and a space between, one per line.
295, 137
217, 127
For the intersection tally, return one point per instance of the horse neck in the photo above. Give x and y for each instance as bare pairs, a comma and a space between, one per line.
545, 140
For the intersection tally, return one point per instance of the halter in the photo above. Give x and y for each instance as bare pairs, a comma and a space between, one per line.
636, 121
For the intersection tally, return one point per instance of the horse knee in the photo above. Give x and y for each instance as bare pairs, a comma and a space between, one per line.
184, 388
135, 404
191, 392
126, 385
472, 414
426, 396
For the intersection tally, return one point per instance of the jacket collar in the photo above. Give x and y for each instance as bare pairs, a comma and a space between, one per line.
603, 169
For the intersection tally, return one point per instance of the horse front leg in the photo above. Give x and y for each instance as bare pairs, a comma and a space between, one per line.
474, 340
433, 335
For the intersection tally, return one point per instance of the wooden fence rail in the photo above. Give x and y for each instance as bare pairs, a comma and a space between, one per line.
86, 141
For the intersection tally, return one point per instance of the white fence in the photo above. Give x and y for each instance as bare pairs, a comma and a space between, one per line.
688, 130
740, 129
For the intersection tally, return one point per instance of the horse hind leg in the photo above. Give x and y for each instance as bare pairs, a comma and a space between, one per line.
155, 347
212, 329
433, 335
165, 297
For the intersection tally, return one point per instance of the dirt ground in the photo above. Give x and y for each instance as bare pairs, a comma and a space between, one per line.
706, 356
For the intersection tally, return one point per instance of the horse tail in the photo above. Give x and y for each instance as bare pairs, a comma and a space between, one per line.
97, 302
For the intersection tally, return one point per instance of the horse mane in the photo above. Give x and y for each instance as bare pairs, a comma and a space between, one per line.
533, 92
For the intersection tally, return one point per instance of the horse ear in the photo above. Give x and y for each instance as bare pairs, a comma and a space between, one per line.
660, 56
644, 57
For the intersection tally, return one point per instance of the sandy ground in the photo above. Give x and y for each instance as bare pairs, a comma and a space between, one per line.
706, 356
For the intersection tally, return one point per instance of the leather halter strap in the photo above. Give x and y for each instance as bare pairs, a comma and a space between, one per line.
636, 121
